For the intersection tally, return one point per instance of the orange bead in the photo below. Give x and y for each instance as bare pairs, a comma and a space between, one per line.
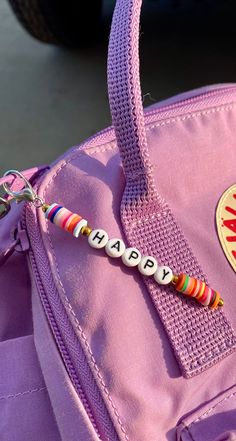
201, 291
215, 304
73, 223
191, 285
181, 279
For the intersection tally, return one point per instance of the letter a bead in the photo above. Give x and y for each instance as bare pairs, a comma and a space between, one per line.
98, 238
115, 247
131, 257
147, 265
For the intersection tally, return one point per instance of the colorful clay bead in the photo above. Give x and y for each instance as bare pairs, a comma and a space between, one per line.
131, 257
80, 225
115, 247
199, 290
163, 275
65, 219
147, 265
98, 238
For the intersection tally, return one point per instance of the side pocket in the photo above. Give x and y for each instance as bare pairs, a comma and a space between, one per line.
25, 409
214, 421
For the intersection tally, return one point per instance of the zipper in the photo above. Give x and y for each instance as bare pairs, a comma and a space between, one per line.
93, 405
53, 323
195, 98
204, 96
26, 236
59, 340
68, 343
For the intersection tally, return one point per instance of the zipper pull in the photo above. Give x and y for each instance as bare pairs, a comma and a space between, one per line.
20, 244
21, 238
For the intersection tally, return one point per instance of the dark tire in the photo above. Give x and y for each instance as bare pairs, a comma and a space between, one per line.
72, 24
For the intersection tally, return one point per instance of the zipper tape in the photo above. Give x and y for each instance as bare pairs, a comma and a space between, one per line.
50, 297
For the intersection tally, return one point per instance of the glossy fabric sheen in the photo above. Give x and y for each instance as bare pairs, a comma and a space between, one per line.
174, 170
111, 302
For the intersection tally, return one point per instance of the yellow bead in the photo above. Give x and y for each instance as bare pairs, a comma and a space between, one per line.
45, 207
175, 279
86, 231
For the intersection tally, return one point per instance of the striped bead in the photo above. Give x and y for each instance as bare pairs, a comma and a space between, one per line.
199, 290
65, 219
131, 257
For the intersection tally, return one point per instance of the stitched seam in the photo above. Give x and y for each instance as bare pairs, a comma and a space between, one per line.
79, 328
185, 428
111, 144
20, 394
192, 115
212, 408
103, 148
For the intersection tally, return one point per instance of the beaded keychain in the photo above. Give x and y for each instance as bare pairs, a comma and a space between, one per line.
115, 247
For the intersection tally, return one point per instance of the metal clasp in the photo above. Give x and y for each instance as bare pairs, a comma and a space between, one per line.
27, 193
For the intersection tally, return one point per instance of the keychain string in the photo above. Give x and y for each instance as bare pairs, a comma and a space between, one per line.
114, 247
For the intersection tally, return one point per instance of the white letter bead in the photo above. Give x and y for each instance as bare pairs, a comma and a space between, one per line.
163, 275
115, 247
147, 266
98, 238
131, 257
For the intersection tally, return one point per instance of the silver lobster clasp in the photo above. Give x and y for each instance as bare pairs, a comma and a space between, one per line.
26, 193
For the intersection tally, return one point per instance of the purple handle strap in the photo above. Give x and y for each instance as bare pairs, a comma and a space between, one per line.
125, 93
186, 323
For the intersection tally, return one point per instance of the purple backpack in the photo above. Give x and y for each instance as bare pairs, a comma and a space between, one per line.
96, 348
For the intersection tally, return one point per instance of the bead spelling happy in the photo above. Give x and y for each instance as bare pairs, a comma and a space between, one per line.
115, 247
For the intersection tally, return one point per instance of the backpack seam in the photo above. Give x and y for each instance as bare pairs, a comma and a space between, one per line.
212, 408
20, 394
78, 151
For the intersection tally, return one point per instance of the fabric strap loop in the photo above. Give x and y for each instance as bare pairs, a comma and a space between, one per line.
186, 324
125, 93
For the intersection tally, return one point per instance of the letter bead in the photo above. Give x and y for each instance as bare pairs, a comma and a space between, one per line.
98, 238
147, 265
131, 257
163, 275
115, 247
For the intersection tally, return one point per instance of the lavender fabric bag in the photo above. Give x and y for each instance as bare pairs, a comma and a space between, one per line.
89, 348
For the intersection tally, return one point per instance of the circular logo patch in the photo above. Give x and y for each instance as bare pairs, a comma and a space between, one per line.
226, 224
